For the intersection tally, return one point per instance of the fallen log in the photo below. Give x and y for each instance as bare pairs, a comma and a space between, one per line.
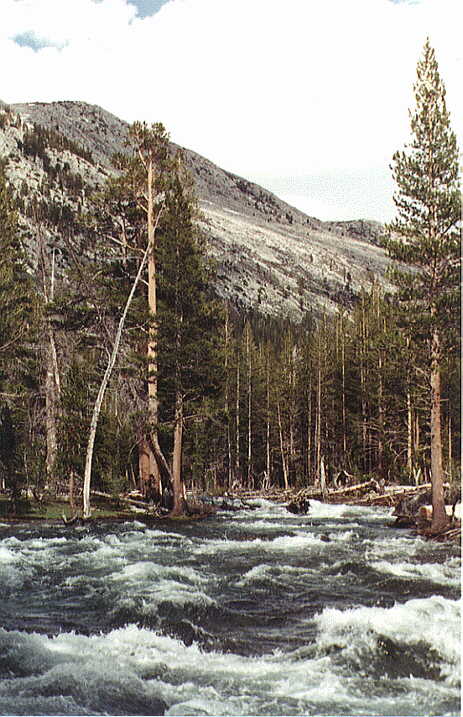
352, 488
453, 535
121, 498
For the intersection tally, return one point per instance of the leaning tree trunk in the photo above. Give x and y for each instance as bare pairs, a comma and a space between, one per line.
102, 390
439, 516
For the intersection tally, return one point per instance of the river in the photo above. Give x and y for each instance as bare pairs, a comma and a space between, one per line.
259, 612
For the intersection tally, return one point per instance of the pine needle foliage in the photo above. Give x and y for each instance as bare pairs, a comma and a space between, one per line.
426, 233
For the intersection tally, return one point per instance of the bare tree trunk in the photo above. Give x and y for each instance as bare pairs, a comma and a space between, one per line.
343, 370
102, 390
318, 421
153, 403
363, 388
323, 487
309, 431
51, 413
72, 505
292, 412
52, 378
237, 419
227, 403
450, 446
177, 457
248, 351
267, 419
439, 515
282, 450
380, 417
145, 462
409, 434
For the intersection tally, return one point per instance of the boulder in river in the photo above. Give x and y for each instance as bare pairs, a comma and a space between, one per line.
299, 507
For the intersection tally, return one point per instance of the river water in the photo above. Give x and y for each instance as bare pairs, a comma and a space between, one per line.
253, 613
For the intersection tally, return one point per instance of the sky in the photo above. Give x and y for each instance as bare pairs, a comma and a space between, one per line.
308, 98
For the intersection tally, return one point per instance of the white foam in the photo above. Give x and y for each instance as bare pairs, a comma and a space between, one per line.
44, 543
134, 660
297, 542
347, 512
447, 573
156, 584
6, 555
435, 621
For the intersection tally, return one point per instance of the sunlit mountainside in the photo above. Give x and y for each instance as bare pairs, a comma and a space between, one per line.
270, 256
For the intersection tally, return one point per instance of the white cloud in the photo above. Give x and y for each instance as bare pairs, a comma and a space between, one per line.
262, 87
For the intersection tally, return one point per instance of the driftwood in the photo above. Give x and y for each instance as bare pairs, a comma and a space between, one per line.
121, 498
452, 535
353, 488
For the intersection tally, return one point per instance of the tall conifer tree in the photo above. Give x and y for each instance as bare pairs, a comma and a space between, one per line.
425, 235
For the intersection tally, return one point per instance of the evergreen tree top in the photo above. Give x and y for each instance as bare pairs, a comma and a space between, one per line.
425, 233
427, 175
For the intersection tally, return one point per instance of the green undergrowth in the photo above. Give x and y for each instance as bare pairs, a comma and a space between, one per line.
54, 509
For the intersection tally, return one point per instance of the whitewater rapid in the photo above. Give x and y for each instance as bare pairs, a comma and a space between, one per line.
259, 612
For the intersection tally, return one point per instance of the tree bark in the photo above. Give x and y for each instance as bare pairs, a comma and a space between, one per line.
51, 411
343, 376
177, 457
380, 417
363, 387
72, 505
282, 450
153, 403
52, 378
237, 420
227, 402
267, 421
439, 516
309, 430
102, 390
450, 446
249, 361
318, 419
322, 476
146, 461
409, 434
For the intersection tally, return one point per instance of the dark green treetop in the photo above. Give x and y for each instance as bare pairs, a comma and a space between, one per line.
425, 233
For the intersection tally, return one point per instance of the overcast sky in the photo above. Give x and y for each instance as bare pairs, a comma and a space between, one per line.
309, 98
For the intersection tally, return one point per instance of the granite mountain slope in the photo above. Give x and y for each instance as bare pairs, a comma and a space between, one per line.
270, 256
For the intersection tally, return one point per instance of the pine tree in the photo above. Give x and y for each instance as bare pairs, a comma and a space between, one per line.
139, 187
188, 319
425, 235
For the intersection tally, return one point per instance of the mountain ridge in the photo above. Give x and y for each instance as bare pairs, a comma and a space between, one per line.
270, 256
